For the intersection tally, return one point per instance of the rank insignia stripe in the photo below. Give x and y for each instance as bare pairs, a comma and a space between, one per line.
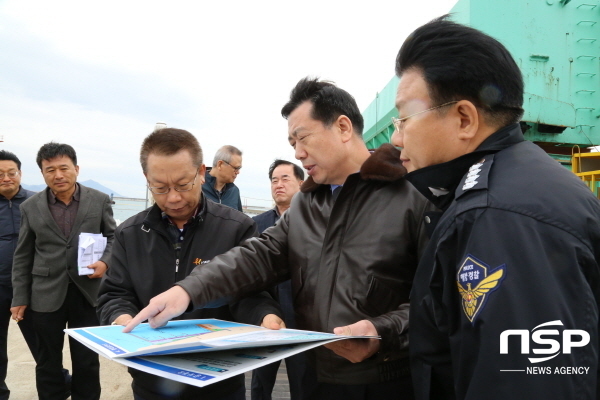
476, 281
477, 176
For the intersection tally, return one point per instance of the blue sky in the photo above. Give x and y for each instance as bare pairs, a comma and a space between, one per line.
99, 75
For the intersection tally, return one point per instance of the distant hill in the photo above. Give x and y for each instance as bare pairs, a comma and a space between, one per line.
89, 183
33, 188
100, 187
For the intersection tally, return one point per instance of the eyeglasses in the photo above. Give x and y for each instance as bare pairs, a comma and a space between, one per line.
397, 122
11, 174
235, 168
179, 188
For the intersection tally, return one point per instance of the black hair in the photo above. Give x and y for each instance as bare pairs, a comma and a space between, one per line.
169, 141
8, 156
328, 100
298, 172
52, 149
462, 63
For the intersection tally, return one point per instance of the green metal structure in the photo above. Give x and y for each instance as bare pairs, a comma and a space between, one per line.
556, 43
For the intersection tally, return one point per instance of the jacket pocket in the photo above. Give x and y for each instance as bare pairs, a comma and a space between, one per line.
382, 297
40, 271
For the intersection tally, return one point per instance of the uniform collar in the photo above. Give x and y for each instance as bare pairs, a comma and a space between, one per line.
439, 183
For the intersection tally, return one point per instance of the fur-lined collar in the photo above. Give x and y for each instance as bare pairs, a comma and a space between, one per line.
383, 165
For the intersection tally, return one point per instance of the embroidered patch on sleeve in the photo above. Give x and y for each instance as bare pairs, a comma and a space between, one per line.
475, 282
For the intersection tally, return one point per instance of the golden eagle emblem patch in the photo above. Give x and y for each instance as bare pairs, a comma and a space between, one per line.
475, 282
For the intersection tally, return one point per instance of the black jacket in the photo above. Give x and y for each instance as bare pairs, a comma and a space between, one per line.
349, 260
517, 247
266, 219
10, 219
146, 261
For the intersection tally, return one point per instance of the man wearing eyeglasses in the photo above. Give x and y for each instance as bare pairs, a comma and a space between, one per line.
162, 245
349, 242
219, 186
516, 251
11, 197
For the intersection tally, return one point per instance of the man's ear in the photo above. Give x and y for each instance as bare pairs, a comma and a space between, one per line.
345, 126
468, 119
202, 174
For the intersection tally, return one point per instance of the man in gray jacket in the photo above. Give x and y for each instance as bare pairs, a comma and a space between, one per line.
45, 272
350, 243
12, 195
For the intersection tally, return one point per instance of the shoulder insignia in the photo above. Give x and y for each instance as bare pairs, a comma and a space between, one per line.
473, 175
475, 282
477, 176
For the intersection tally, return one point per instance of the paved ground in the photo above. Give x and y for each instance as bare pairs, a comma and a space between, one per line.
114, 378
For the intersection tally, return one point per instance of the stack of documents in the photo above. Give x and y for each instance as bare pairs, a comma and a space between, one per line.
91, 248
199, 352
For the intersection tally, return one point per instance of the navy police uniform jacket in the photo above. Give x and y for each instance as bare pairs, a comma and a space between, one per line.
505, 299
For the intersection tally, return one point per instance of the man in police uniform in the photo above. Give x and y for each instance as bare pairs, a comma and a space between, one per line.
518, 243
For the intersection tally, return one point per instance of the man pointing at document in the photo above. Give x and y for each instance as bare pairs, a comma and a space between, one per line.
351, 266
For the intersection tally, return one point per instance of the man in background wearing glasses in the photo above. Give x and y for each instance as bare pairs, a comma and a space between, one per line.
219, 186
162, 245
11, 197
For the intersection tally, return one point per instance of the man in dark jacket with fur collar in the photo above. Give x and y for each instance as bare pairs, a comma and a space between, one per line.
350, 243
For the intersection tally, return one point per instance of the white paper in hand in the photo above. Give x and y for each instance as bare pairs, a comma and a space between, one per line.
91, 248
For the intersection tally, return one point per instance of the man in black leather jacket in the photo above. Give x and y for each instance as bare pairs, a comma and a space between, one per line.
350, 243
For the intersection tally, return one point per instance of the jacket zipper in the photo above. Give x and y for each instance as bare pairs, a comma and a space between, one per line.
177, 257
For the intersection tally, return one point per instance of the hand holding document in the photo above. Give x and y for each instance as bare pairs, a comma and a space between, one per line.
91, 247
